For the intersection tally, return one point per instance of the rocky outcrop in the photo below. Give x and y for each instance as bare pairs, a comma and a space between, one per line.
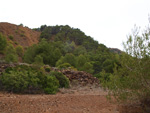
82, 77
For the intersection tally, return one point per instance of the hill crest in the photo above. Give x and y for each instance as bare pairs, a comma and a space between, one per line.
17, 34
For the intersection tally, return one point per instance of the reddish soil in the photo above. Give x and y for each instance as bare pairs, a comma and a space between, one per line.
21, 35
73, 100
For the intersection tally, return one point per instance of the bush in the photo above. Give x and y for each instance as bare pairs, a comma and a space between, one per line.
64, 65
25, 79
68, 58
22, 34
33, 82
63, 80
10, 37
15, 81
88, 67
20, 78
131, 80
3, 42
47, 69
11, 55
16, 43
38, 60
11, 58
19, 51
52, 85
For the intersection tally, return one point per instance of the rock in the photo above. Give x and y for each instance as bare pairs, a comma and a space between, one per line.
82, 77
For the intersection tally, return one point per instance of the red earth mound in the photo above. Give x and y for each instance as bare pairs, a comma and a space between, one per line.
18, 34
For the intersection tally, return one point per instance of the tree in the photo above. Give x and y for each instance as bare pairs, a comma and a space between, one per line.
88, 67
10, 53
64, 66
108, 65
30, 53
15, 81
68, 58
80, 50
81, 60
63, 80
38, 60
131, 80
57, 55
47, 50
3, 42
19, 50
60, 61
68, 48
71, 59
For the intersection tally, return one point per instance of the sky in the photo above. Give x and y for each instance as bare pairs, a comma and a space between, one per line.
107, 21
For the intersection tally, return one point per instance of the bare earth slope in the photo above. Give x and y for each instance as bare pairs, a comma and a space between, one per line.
74, 100
21, 35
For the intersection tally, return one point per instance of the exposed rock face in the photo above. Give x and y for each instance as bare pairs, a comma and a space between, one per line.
115, 50
82, 77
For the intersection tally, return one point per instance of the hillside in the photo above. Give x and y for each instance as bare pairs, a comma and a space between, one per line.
59, 57
24, 36
18, 34
58, 46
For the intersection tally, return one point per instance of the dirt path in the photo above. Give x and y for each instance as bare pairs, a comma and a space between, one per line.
73, 100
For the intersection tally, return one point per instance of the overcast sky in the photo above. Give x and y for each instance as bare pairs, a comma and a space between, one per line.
107, 21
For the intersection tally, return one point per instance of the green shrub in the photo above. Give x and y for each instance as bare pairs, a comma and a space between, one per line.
19, 78
26, 79
47, 69
19, 50
88, 67
68, 58
7, 70
63, 80
21, 24
10, 53
64, 65
3, 43
22, 35
16, 43
52, 85
38, 60
10, 37
15, 81
16, 31
33, 80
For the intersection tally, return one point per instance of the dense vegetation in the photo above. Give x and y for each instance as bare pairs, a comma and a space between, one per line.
131, 80
59, 46
30, 79
63, 46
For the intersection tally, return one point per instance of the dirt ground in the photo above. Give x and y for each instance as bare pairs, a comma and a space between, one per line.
73, 100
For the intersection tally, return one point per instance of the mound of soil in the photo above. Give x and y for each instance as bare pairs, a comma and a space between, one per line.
18, 34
